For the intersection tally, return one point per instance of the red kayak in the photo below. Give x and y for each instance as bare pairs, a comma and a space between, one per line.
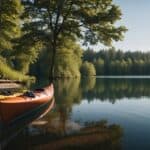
13, 107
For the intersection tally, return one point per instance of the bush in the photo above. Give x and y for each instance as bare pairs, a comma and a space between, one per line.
7, 72
87, 69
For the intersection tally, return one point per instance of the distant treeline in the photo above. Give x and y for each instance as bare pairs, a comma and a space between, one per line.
117, 62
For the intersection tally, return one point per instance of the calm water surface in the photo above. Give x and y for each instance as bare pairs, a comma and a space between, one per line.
102, 113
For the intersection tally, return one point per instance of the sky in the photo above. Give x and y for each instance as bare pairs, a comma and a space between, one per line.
136, 17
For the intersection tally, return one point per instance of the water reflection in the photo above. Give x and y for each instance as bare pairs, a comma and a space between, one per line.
8, 130
93, 114
113, 89
74, 91
98, 135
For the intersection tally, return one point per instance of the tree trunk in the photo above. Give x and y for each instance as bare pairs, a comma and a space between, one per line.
51, 73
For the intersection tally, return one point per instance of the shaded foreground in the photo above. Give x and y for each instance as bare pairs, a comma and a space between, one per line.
96, 136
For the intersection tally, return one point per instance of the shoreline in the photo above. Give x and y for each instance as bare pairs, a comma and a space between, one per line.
9, 85
9, 81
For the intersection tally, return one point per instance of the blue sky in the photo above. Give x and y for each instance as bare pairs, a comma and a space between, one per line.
136, 17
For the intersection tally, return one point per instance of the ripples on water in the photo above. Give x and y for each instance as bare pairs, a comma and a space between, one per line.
103, 113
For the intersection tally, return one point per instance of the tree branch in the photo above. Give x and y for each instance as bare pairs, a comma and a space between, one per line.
65, 18
50, 16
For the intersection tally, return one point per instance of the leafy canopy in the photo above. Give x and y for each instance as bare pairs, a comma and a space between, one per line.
10, 34
90, 20
9, 23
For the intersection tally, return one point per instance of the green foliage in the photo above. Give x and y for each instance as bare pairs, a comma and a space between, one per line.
18, 50
52, 29
7, 73
99, 66
90, 21
25, 54
112, 62
9, 23
67, 17
10, 29
88, 69
40, 69
68, 59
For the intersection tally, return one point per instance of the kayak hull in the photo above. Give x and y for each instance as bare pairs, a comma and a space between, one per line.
12, 128
13, 107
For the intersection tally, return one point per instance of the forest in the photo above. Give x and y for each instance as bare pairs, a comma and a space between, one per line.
117, 62
43, 39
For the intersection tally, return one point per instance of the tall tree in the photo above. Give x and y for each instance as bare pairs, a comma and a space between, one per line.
92, 21
9, 23
10, 29
68, 61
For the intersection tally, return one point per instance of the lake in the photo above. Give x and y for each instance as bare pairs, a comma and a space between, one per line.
92, 113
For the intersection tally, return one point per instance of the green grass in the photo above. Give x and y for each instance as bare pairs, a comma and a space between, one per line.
6, 72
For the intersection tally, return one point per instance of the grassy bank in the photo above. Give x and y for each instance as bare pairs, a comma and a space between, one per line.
8, 73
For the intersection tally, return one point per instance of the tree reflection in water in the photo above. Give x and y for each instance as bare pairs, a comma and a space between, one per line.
114, 89
58, 131
98, 135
